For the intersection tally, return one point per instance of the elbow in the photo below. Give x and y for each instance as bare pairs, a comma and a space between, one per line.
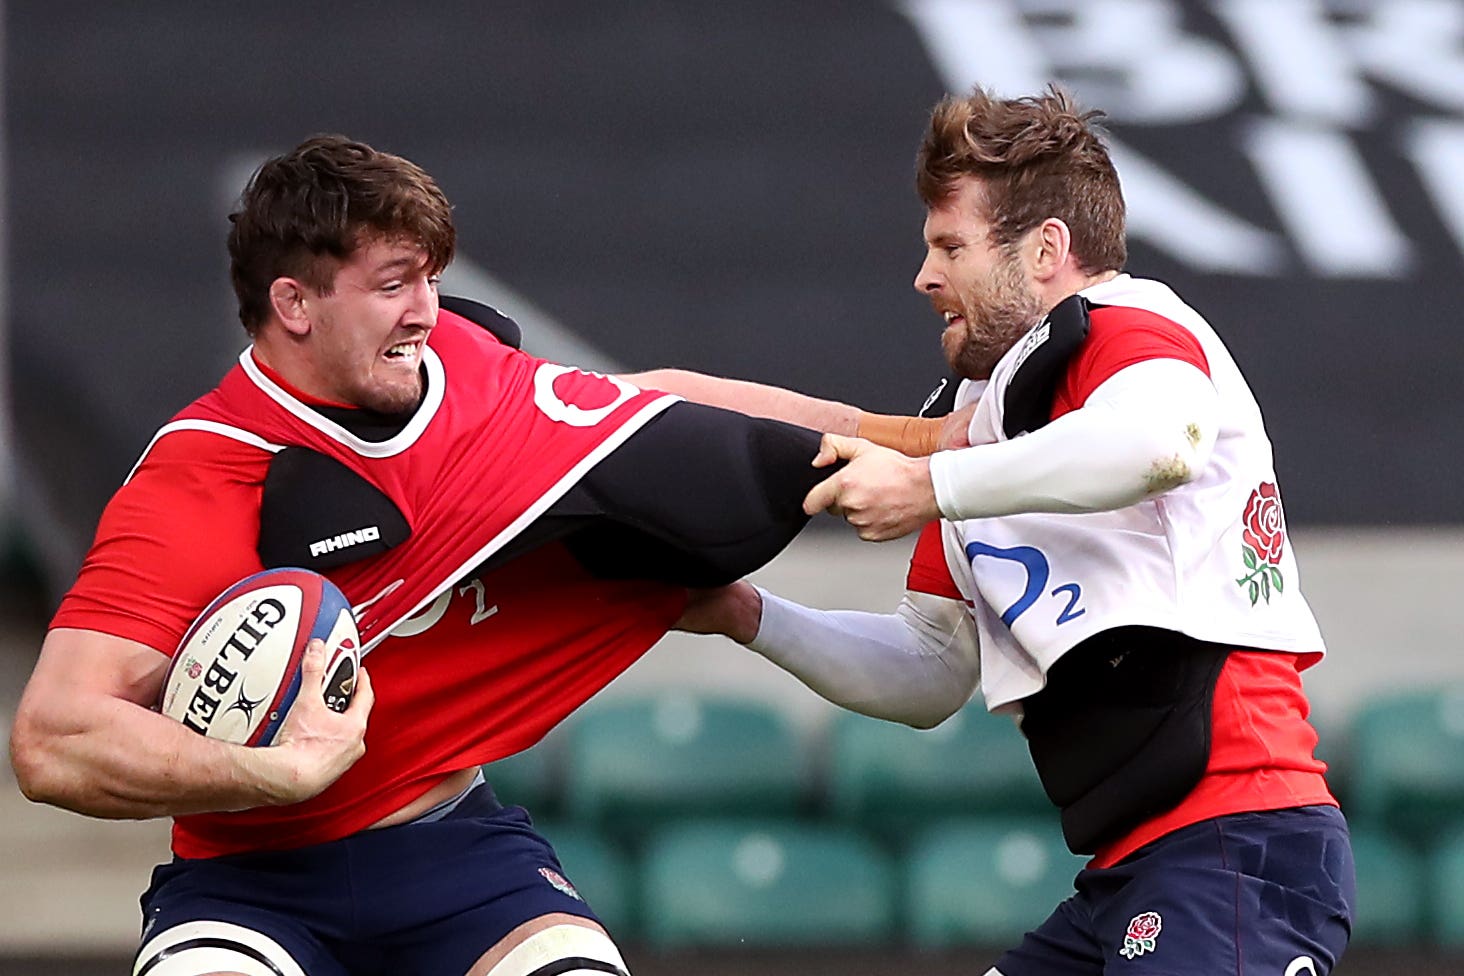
1167, 473
1178, 460
934, 713
30, 759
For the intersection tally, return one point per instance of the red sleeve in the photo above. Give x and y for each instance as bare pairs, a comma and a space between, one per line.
928, 570
183, 529
1121, 337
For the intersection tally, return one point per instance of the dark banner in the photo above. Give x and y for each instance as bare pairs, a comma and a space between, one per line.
729, 187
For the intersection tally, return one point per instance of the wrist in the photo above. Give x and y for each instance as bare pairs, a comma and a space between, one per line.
747, 617
912, 436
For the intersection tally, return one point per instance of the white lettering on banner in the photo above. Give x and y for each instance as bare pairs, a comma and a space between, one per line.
1314, 63
1179, 221
1308, 62
1437, 149
1300, 64
1324, 196
1133, 57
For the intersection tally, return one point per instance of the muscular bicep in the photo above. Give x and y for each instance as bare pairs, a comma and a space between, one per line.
80, 665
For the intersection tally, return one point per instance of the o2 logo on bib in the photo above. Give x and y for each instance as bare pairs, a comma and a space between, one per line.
1038, 573
603, 393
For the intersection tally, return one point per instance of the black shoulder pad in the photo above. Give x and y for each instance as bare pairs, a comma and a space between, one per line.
318, 513
504, 329
1041, 362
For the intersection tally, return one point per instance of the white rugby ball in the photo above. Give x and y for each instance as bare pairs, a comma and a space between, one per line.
237, 670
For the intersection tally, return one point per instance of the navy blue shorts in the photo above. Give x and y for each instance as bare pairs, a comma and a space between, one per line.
1267, 893
420, 898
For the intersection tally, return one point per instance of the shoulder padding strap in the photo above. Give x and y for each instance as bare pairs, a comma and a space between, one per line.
504, 329
1043, 359
317, 513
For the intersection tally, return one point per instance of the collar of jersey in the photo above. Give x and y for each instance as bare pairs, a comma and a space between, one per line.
426, 410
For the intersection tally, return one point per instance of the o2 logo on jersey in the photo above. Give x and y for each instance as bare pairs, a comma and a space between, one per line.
1038, 572
609, 392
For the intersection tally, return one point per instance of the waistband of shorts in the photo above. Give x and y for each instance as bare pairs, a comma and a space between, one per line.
476, 800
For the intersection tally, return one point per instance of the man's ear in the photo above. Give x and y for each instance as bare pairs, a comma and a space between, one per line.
1050, 246
287, 297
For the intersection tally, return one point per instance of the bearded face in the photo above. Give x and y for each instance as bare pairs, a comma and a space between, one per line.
985, 316
981, 289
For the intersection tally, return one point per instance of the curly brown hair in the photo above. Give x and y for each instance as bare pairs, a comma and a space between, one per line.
306, 211
1036, 157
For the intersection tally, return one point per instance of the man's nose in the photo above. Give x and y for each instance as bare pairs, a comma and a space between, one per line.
424, 302
926, 280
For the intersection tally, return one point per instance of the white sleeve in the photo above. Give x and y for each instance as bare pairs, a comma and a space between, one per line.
918, 665
1146, 429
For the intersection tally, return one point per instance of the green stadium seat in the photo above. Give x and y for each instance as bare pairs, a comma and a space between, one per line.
749, 884
892, 779
1446, 890
1408, 763
631, 765
600, 871
985, 881
1391, 888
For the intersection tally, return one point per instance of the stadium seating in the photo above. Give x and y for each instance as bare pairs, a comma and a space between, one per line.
765, 884
1391, 888
892, 779
1446, 889
527, 778
600, 871
632, 764
985, 881
1408, 762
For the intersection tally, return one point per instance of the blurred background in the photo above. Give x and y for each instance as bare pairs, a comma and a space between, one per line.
729, 188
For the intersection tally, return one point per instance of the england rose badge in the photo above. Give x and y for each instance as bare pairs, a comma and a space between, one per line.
1142, 934
1264, 539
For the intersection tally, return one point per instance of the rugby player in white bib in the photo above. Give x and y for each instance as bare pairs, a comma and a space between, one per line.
1107, 561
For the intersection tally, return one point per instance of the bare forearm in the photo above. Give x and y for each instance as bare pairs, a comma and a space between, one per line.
754, 399
127, 762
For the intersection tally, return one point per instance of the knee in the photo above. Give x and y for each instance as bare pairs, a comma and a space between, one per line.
213, 948
563, 949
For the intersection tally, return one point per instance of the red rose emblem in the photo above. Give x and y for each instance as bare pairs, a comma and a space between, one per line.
1265, 526
1145, 927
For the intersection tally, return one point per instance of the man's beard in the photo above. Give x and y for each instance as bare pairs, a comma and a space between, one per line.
994, 321
391, 400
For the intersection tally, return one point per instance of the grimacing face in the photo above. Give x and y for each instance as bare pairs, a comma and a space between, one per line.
367, 335
982, 290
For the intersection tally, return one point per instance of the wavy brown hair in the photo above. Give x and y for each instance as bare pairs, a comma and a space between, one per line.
306, 211
1036, 157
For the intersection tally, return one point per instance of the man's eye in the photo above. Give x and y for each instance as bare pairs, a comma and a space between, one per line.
392, 287
434, 280
951, 250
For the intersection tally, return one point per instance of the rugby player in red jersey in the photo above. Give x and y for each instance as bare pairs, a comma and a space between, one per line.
501, 528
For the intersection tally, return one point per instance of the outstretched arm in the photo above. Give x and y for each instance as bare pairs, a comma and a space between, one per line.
918, 665
915, 436
1148, 429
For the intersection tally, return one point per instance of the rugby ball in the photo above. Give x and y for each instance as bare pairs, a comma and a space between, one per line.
237, 670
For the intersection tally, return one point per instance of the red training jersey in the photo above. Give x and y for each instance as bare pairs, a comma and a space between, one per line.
468, 667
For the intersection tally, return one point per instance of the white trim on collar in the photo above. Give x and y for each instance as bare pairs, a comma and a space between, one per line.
426, 410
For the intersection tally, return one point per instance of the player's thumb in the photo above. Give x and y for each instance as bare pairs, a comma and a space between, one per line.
312, 664
822, 496
364, 695
832, 448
